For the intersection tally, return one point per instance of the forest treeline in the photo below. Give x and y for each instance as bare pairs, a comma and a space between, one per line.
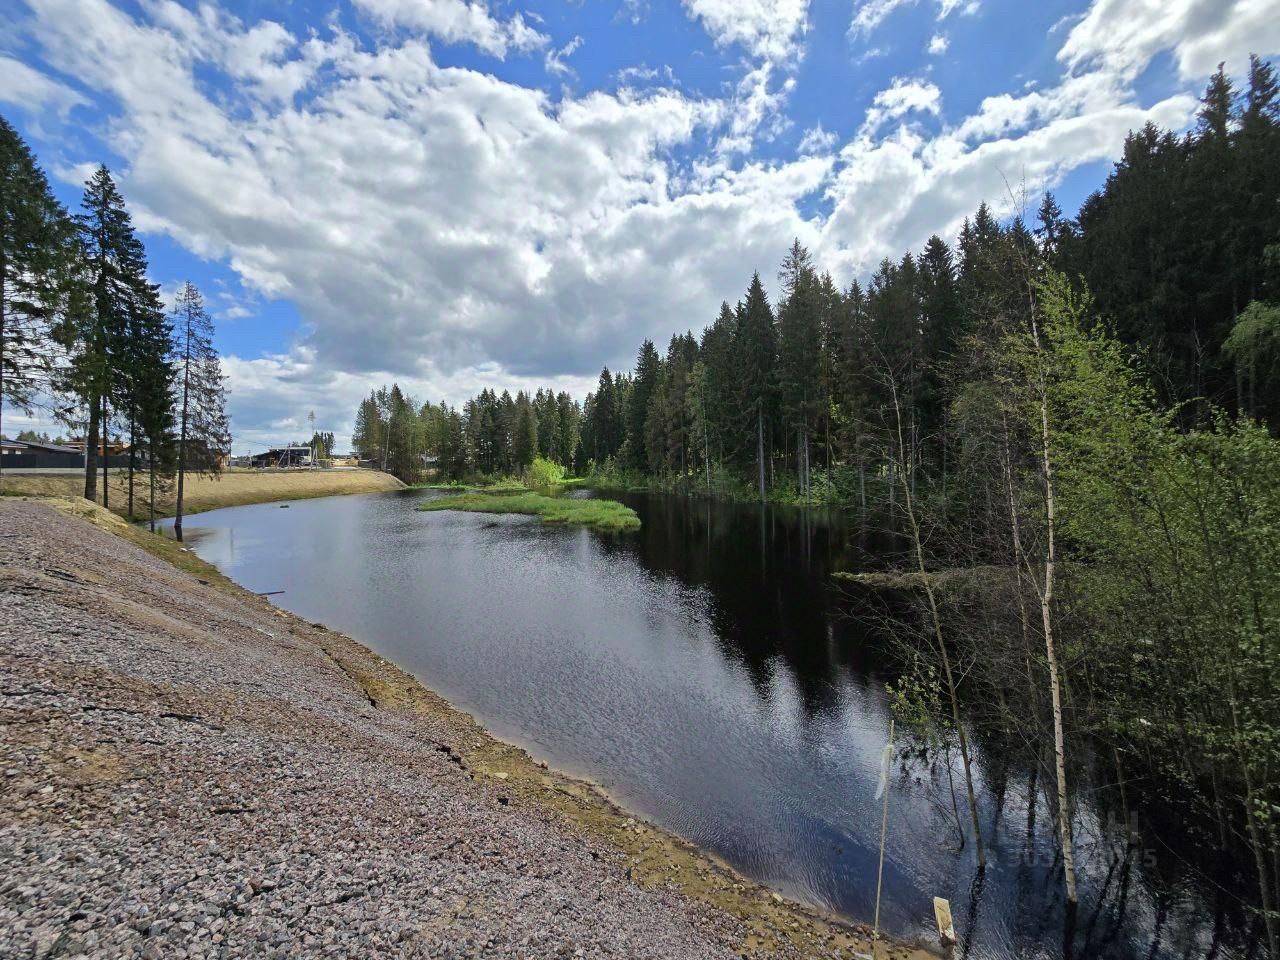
1177, 252
1079, 411
84, 333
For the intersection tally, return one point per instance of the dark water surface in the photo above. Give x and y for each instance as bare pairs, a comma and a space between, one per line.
706, 674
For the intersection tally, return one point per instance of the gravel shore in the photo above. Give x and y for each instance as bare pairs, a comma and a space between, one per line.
186, 771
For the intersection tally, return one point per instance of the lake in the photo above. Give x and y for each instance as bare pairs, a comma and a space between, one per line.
709, 677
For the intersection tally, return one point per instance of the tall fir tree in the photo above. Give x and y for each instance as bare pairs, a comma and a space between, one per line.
757, 351
38, 263
115, 269
644, 382
204, 433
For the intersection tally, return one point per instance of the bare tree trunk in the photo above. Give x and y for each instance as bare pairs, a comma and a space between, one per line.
133, 445
4, 267
760, 448
182, 429
1051, 652
935, 617
91, 453
106, 439
862, 484
152, 510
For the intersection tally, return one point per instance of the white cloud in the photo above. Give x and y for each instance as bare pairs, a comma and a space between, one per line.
771, 32
869, 14
1121, 37
411, 210
458, 21
938, 44
767, 29
269, 397
903, 96
451, 230
889, 194
32, 90
816, 140
554, 61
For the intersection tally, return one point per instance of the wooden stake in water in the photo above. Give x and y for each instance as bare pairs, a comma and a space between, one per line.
885, 762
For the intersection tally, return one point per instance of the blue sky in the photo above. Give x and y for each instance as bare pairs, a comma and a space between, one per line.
457, 195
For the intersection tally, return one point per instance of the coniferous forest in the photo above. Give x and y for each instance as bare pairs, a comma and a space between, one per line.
1065, 429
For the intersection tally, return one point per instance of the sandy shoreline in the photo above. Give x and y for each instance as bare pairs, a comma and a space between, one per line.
189, 771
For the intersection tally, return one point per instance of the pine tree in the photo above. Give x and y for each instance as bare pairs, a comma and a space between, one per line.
1052, 229
370, 430
150, 399
115, 273
644, 382
800, 357
722, 385
525, 437
570, 416
756, 346
403, 441
38, 259
204, 434
144, 380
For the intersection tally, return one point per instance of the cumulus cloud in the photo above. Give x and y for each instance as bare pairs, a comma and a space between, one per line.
272, 395
443, 227
903, 96
771, 33
869, 14
816, 140
30, 89
938, 44
458, 21
1121, 37
767, 29
555, 59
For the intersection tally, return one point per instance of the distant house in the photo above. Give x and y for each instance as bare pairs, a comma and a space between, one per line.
39, 456
283, 457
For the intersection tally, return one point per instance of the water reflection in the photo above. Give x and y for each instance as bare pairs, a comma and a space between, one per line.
704, 672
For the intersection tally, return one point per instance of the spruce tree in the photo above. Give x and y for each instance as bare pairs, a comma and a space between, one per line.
144, 380
38, 259
115, 270
800, 359
645, 381
757, 350
525, 438
149, 400
204, 434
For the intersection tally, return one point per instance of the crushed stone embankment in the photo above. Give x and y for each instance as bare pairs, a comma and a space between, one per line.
186, 771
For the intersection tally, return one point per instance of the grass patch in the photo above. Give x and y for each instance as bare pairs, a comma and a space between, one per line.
600, 514
503, 485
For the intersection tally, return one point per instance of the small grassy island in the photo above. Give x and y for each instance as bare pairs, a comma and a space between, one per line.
600, 514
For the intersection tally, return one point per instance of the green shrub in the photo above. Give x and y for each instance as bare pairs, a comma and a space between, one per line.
543, 473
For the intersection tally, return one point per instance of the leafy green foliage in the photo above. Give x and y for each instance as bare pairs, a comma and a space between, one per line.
544, 473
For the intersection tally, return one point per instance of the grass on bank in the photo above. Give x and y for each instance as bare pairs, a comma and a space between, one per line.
234, 488
600, 514
503, 486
